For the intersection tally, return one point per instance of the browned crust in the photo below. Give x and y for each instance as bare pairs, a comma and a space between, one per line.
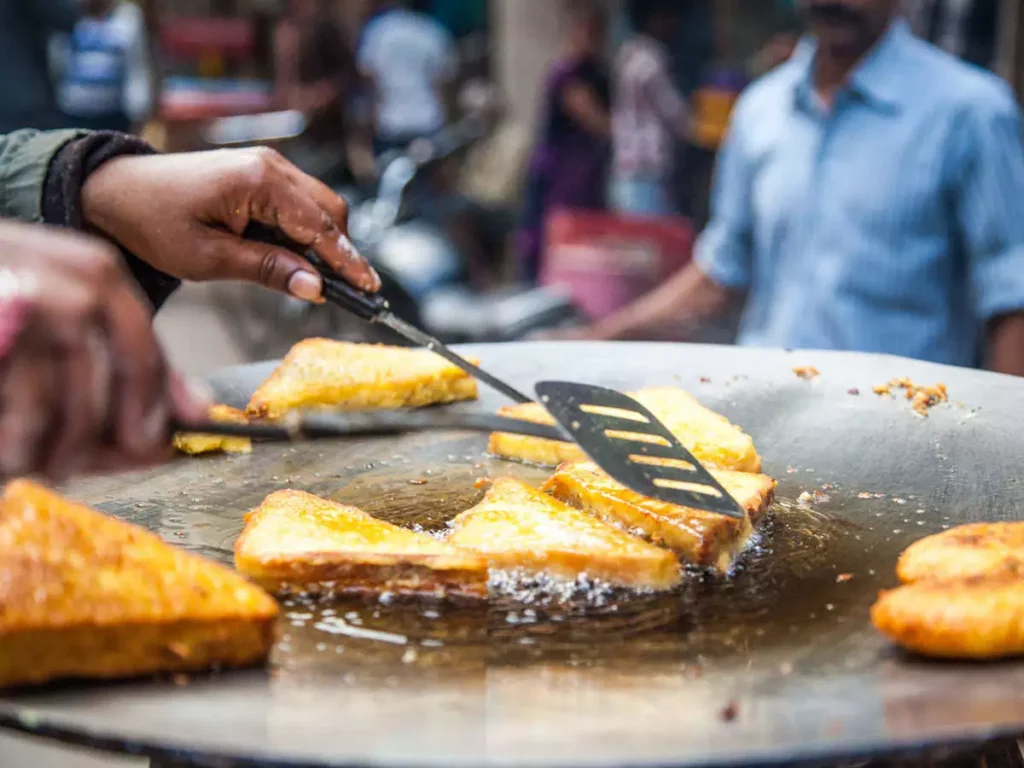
978, 618
33, 656
329, 578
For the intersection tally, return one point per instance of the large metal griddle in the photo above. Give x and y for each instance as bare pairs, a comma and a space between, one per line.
776, 664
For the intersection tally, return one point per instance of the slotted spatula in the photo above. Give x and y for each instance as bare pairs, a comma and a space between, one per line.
614, 430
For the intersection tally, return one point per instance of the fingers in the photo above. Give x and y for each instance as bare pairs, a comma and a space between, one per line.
270, 265
140, 414
312, 215
85, 374
27, 414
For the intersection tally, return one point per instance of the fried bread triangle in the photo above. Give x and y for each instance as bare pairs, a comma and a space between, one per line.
709, 436
299, 542
321, 373
700, 538
84, 595
518, 527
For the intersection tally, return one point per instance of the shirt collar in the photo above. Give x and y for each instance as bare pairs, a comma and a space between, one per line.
873, 79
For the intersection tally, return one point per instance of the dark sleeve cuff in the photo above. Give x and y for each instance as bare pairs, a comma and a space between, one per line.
62, 197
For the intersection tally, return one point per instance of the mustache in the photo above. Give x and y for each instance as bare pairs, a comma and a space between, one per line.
834, 13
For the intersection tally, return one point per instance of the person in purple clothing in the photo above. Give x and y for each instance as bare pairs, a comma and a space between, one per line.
568, 168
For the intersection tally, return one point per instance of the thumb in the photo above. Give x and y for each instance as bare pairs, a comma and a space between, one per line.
271, 265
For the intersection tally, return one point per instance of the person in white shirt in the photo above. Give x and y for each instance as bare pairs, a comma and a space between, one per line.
410, 61
104, 81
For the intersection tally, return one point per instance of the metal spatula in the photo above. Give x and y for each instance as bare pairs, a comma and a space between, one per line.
614, 430
629, 443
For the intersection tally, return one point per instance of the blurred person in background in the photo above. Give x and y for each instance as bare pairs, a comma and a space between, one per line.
27, 98
649, 114
867, 198
569, 164
964, 28
410, 65
104, 72
315, 73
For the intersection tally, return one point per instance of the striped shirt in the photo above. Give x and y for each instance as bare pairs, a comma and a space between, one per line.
646, 110
893, 222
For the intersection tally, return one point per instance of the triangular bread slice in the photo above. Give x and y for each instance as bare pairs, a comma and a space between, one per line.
700, 538
518, 527
194, 443
84, 595
708, 435
321, 373
297, 542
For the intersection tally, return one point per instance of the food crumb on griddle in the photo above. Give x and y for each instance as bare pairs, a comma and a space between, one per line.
853, 391
730, 712
705, 380
842, 578
482, 482
417, 481
922, 397
806, 372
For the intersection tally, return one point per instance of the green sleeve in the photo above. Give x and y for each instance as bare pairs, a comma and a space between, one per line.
25, 158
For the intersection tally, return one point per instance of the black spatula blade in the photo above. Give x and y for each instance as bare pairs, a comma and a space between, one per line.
629, 443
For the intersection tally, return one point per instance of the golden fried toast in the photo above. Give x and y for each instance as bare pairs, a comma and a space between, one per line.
700, 538
297, 542
708, 435
980, 617
518, 527
320, 373
979, 549
195, 444
84, 595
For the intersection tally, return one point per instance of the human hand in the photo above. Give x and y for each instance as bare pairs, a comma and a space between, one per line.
184, 214
83, 382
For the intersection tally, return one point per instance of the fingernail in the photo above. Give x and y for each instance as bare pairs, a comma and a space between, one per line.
304, 285
375, 281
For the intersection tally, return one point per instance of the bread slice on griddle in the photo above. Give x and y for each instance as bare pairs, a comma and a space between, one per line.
297, 542
709, 436
195, 444
84, 595
321, 373
981, 617
977, 549
520, 528
699, 538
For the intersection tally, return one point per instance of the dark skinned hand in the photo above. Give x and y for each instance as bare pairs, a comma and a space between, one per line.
83, 383
185, 214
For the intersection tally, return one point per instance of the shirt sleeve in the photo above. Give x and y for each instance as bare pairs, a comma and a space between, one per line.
724, 251
989, 188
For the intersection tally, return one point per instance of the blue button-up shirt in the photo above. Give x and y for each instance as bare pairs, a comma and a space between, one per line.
891, 222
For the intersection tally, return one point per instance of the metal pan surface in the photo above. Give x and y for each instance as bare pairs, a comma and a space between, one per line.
776, 663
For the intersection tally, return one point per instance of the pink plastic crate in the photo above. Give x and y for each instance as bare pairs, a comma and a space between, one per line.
606, 261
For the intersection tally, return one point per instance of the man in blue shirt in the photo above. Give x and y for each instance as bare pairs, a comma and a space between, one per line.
870, 196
